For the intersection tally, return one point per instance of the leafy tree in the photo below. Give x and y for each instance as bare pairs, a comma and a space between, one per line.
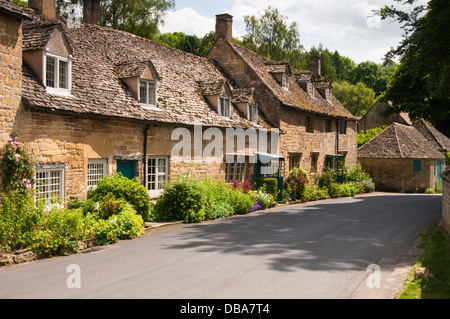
271, 36
356, 98
366, 136
140, 17
421, 84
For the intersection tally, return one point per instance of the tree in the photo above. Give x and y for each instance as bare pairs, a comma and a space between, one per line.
269, 35
421, 84
140, 17
356, 98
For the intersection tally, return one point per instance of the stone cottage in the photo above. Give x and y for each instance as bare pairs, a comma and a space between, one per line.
401, 159
373, 118
315, 129
90, 101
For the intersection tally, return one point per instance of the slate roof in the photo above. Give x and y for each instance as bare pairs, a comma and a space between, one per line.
433, 136
399, 141
102, 56
296, 96
14, 10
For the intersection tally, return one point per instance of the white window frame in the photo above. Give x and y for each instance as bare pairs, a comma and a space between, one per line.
56, 89
157, 174
253, 113
148, 104
224, 107
235, 171
328, 95
55, 188
310, 88
100, 172
285, 81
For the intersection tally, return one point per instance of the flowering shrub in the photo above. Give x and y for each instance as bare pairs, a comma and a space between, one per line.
296, 182
245, 186
256, 206
17, 166
264, 199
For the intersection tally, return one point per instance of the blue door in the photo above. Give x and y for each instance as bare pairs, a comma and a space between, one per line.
127, 168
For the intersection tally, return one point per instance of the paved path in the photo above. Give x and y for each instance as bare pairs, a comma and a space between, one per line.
313, 250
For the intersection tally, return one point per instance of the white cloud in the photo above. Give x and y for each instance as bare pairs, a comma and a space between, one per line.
340, 25
187, 20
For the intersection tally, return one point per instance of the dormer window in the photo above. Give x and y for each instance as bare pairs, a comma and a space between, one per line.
285, 81
57, 74
147, 93
253, 113
225, 107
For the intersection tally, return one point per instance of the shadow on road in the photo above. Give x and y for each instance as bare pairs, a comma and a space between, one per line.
341, 234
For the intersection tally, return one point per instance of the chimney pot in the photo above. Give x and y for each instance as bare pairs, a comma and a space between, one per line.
45, 7
224, 26
91, 11
316, 68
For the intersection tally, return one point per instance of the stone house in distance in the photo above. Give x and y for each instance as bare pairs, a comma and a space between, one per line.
314, 127
401, 159
91, 101
373, 118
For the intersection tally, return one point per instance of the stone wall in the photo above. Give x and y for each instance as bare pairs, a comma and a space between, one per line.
397, 174
373, 119
296, 140
10, 74
73, 140
446, 199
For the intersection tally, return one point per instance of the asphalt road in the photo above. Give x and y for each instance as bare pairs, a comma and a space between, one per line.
314, 250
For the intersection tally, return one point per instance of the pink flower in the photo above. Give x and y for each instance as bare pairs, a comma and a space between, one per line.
17, 156
10, 140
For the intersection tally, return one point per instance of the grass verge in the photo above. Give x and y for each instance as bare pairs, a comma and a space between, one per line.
434, 262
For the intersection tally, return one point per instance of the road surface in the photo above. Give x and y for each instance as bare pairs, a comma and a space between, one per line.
333, 249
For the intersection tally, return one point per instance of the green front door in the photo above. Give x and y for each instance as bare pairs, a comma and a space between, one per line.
127, 168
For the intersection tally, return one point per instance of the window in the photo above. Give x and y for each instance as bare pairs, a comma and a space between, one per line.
235, 171
314, 162
294, 161
225, 107
285, 81
342, 127
157, 172
310, 88
147, 93
417, 165
328, 95
328, 125
97, 169
253, 113
50, 185
309, 125
57, 73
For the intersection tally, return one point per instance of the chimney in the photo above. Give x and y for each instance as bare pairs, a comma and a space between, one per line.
91, 11
316, 69
224, 26
45, 7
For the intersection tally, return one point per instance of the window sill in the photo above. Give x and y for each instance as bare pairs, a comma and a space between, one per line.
151, 107
59, 92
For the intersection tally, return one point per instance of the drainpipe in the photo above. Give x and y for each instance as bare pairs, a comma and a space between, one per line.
145, 132
337, 136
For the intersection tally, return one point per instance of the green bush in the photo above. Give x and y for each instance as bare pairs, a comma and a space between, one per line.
219, 210
429, 191
184, 199
296, 182
326, 178
310, 194
59, 232
355, 174
123, 188
347, 190
17, 217
270, 185
333, 190
240, 201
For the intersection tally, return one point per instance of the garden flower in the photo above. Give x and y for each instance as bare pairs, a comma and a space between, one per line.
17, 156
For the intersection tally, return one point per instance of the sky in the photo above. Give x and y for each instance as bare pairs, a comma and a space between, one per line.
342, 25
